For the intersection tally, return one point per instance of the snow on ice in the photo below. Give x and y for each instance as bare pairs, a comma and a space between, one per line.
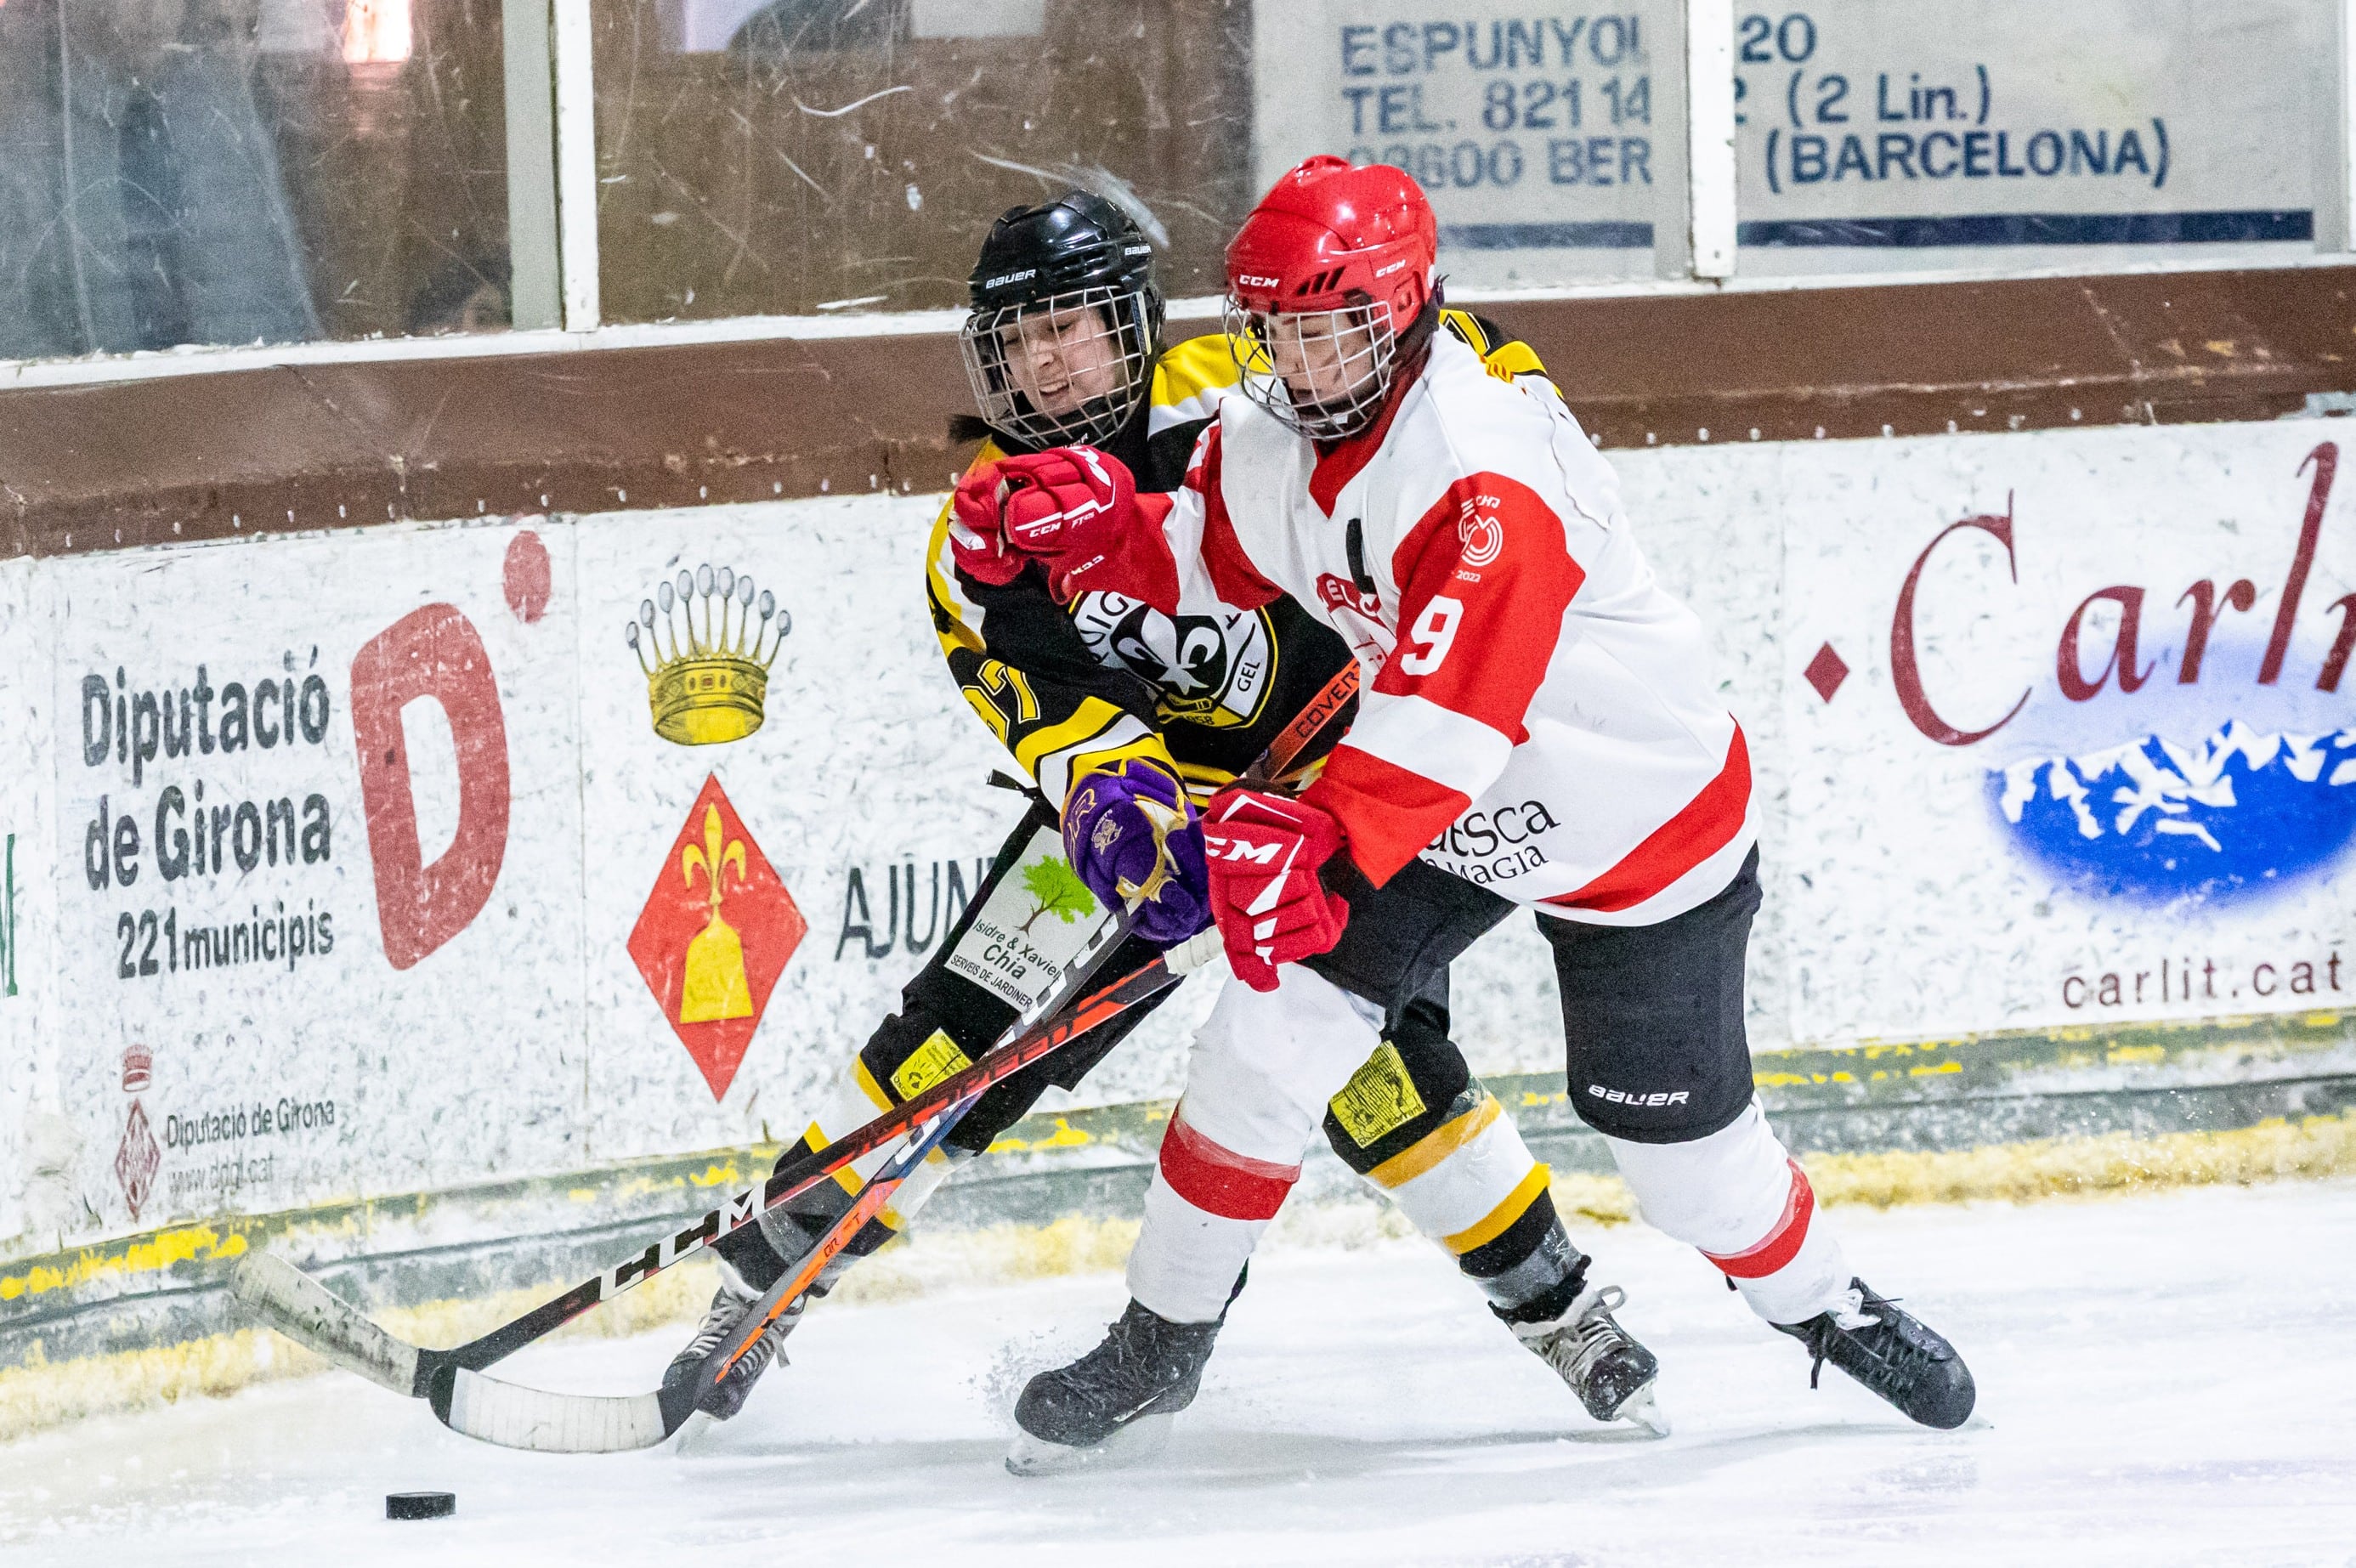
2163, 1379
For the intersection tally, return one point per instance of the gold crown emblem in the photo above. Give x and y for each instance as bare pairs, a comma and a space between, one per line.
707, 687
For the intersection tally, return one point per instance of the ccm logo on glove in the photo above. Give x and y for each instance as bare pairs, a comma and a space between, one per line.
1265, 853
1066, 508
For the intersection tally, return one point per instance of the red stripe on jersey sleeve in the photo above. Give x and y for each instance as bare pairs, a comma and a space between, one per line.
1232, 576
1707, 825
1388, 814
1484, 577
1216, 1179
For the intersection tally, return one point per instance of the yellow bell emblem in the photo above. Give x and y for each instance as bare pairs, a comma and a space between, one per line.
714, 987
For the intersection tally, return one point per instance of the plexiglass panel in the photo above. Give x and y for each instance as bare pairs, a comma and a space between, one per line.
1882, 135
237, 171
803, 156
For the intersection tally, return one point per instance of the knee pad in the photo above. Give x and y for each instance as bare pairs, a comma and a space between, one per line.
1264, 1064
909, 1052
913, 1049
1410, 1087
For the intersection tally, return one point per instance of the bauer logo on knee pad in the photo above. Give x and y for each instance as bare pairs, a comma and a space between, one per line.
1623, 1097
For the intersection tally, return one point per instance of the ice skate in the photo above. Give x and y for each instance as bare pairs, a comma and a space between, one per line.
729, 1305
1893, 1353
1113, 1404
1603, 1362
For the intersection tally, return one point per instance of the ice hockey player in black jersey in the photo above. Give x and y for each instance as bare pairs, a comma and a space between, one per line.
1123, 718
1519, 662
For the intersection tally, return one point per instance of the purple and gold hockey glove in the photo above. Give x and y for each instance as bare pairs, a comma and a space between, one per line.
1131, 836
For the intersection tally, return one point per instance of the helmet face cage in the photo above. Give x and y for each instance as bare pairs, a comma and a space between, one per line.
1344, 358
1090, 335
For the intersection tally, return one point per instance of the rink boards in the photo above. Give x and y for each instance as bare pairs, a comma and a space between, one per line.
339, 868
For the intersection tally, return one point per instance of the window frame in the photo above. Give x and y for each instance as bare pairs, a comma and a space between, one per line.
553, 218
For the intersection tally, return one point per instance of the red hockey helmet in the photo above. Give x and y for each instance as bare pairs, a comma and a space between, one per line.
1327, 274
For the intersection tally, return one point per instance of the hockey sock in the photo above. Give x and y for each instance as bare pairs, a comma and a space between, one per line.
749, 1252
1738, 1197
1543, 1283
761, 1252
1456, 1167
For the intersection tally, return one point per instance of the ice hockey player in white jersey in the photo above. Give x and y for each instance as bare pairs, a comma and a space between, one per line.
1540, 727
1121, 714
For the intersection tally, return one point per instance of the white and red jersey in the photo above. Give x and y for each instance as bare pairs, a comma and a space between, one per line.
1537, 716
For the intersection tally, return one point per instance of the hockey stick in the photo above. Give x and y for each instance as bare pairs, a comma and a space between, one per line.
1305, 726
1164, 970
486, 1408
517, 1417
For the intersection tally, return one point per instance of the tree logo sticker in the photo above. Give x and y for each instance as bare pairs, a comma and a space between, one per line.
1057, 889
1031, 923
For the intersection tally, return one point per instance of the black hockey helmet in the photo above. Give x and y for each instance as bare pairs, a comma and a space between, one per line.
1067, 322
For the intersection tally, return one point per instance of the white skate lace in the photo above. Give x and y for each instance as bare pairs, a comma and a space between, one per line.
1573, 1348
1850, 1314
729, 1304
718, 1319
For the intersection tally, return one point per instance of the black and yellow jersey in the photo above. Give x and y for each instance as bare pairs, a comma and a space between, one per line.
1069, 688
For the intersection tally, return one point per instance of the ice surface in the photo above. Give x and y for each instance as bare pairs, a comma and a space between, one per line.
2163, 1379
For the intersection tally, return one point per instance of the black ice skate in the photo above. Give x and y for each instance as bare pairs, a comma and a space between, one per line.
1610, 1372
1893, 1353
1116, 1401
729, 1305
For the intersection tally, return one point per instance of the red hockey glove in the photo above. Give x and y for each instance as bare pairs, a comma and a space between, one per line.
1071, 508
1265, 851
976, 535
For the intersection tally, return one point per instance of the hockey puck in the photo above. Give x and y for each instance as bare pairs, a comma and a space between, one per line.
420, 1505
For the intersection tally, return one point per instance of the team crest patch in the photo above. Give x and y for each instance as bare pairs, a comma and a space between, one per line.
1214, 670
1483, 536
